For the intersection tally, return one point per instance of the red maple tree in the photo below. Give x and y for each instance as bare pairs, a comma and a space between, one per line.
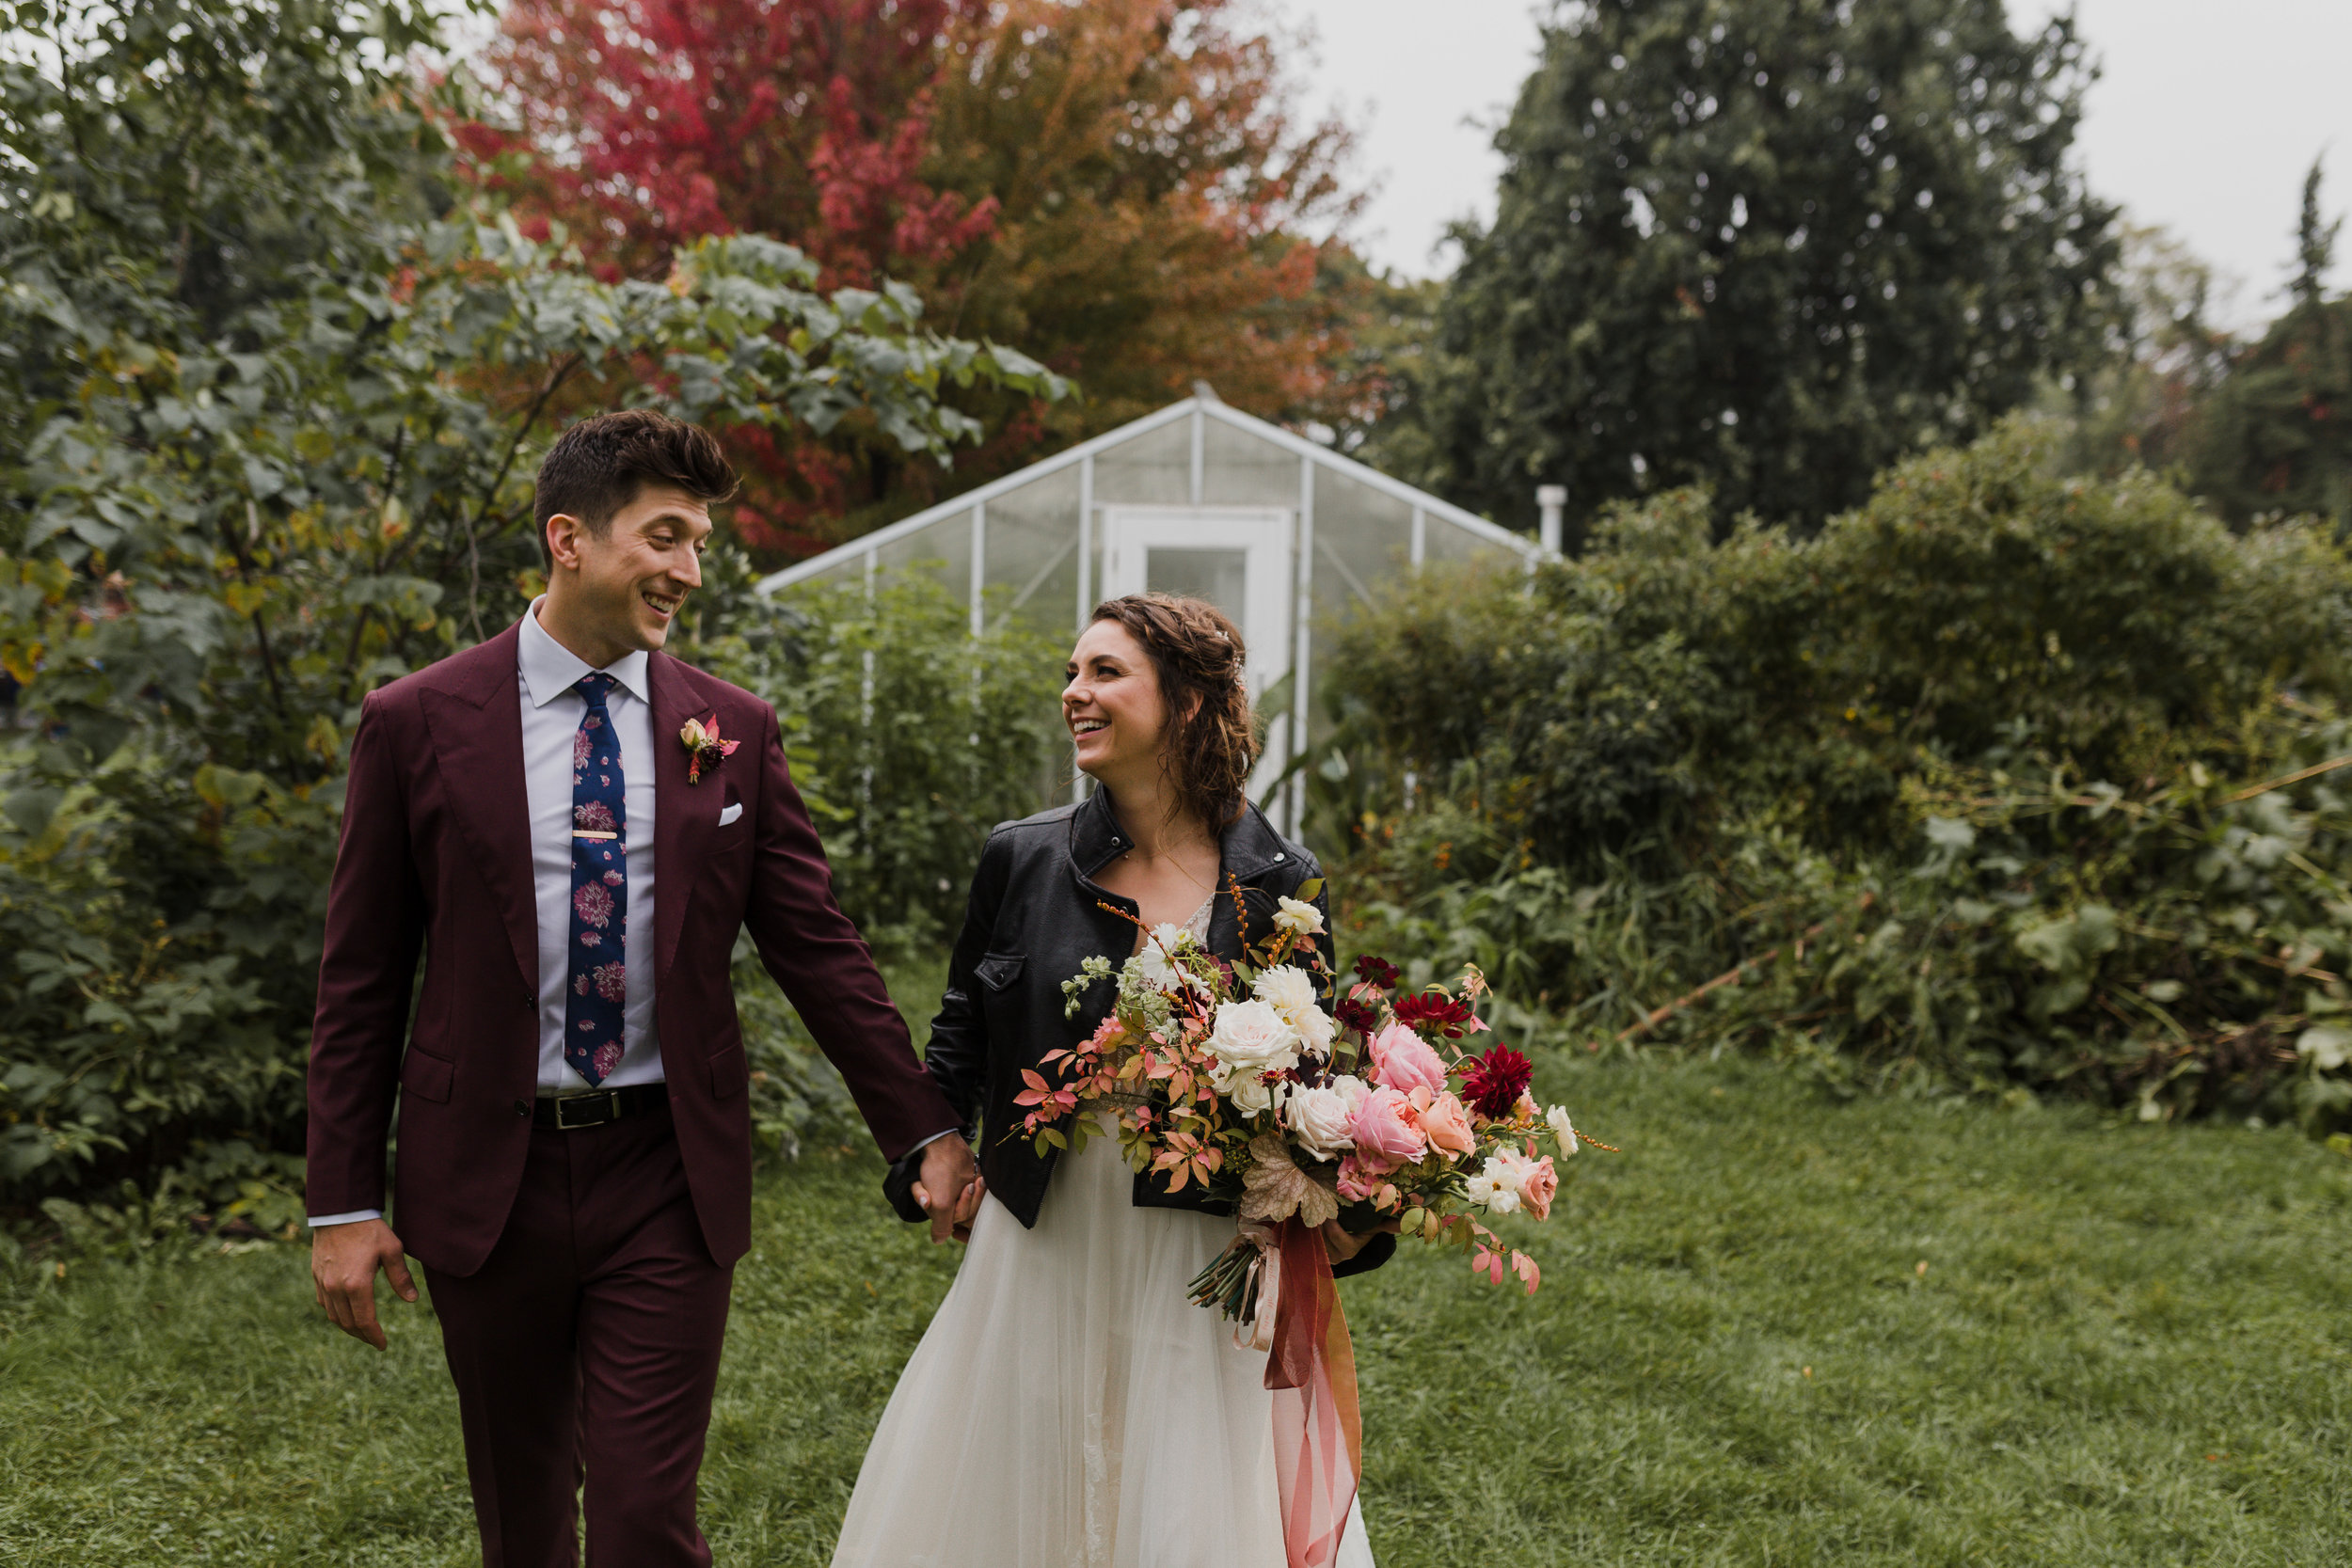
649, 122
1122, 188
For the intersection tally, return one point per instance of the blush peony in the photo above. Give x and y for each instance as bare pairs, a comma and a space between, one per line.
1402, 1061
1387, 1131
1447, 1126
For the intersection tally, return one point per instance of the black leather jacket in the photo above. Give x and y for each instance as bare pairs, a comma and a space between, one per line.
1034, 917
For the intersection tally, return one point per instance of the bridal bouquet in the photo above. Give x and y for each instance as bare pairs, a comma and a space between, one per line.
1233, 1076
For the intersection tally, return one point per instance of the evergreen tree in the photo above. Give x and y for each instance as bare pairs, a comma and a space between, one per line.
1768, 246
2276, 435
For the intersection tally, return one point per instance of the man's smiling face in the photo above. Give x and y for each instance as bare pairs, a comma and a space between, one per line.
630, 581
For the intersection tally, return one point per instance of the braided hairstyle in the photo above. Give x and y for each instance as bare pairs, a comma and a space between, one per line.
1210, 740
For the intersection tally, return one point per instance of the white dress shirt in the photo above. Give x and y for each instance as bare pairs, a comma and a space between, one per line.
546, 676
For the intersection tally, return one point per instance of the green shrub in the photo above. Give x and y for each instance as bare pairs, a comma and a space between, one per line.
267, 441
917, 736
1996, 741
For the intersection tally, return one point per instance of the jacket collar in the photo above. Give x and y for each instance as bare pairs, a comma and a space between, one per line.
1249, 848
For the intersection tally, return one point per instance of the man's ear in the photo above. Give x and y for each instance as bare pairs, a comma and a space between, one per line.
563, 541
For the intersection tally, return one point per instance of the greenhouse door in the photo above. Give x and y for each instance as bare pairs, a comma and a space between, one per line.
1236, 558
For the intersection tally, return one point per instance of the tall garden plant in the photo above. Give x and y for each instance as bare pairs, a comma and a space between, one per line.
269, 409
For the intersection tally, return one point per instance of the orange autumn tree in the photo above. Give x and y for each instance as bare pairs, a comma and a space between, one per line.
1125, 189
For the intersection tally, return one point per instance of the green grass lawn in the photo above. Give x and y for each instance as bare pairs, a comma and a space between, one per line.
2127, 1345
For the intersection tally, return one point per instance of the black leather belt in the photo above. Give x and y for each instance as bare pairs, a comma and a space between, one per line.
569, 1112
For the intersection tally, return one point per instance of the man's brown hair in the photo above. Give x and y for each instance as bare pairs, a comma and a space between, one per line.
601, 463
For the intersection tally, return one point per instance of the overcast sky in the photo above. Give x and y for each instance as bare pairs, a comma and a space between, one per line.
2205, 121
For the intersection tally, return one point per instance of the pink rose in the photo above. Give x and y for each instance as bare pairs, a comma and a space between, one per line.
1447, 1125
1356, 1183
1386, 1133
1537, 1182
1402, 1061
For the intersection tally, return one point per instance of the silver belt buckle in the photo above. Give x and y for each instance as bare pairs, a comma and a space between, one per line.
608, 1100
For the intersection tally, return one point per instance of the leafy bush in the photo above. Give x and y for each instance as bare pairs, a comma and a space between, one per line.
1660, 683
265, 440
917, 736
1987, 767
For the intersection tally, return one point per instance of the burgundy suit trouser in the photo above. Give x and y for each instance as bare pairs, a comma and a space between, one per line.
585, 1349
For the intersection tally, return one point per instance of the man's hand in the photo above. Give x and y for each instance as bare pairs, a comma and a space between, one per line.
1343, 1243
343, 1260
949, 1173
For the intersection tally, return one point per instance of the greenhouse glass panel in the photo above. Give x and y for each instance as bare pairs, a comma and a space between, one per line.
1031, 542
1241, 469
1151, 468
943, 550
1363, 536
1443, 539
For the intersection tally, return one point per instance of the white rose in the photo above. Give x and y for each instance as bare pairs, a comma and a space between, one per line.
1299, 919
1291, 992
1286, 988
1249, 1038
1318, 1119
1561, 1128
1250, 1095
1352, 1089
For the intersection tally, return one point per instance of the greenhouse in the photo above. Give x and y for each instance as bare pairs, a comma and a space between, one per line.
1284, 535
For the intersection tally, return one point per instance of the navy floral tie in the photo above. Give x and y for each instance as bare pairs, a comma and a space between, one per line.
595, 1000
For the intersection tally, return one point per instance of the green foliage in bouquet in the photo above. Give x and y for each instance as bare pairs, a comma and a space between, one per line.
1979, 788
269, 407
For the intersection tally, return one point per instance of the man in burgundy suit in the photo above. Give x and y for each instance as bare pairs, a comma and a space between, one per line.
575, 1152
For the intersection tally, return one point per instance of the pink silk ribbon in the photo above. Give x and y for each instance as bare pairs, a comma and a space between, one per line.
1318, 1430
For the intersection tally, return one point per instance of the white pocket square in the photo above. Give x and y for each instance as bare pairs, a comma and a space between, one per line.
730, 814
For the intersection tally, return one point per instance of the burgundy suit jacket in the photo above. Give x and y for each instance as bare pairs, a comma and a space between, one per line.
436, 855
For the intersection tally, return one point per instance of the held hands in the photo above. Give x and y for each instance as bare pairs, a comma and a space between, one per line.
1343, 1243
343, 1260
949, 1172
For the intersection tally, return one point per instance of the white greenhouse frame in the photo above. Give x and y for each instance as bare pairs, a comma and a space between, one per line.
1412, 527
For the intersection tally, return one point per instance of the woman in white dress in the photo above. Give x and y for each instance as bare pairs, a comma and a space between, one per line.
1068, 1406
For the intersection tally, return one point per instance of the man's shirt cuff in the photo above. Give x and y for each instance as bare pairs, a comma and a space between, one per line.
933, 1139
317, 1221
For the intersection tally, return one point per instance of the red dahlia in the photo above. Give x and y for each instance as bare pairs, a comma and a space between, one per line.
1359, 1016
1433, 1013
1379, 971
1495, 1081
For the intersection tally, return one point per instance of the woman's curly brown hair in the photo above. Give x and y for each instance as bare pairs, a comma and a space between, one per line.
1208, 747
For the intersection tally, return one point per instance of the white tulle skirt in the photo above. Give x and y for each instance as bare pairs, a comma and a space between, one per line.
1069, 1408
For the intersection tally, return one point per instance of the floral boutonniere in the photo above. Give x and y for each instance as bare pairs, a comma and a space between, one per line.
704, 747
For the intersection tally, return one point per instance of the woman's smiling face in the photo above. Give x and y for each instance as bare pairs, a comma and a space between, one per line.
1112, 705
